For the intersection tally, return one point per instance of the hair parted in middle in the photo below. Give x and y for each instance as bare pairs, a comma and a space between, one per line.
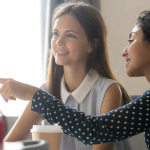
93, 24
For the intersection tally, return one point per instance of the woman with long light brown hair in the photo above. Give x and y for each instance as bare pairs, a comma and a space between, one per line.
78, 72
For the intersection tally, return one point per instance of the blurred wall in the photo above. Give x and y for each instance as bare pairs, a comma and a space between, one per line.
119, 16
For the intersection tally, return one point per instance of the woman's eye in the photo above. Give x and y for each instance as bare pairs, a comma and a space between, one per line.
71, 35
55, 33
130, 41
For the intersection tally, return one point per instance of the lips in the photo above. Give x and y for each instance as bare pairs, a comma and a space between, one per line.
128, 60
62, 52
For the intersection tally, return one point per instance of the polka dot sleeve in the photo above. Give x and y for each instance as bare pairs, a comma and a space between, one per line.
113, 126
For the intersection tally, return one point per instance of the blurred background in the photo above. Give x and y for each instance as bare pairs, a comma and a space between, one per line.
25, 33
25, 38
20, 46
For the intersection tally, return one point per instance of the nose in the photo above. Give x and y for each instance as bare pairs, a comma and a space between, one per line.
60, 41
124, 53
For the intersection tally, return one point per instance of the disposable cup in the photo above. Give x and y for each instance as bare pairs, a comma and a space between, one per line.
49, 133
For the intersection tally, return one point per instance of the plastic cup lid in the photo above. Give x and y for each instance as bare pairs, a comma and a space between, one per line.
47, 128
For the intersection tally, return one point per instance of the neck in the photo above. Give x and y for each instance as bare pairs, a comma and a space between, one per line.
74, 76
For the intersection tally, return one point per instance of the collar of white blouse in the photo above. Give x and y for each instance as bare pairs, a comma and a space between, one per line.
80, 93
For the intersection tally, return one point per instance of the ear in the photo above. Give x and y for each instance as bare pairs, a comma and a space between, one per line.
93, 46
90, 50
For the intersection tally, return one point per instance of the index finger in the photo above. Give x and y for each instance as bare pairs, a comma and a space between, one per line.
3, 80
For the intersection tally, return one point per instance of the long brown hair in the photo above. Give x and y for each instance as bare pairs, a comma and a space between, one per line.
92, 22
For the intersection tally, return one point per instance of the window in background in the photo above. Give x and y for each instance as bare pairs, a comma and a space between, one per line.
20, 47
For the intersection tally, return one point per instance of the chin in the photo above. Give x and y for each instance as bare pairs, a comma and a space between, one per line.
134, 74
60, 63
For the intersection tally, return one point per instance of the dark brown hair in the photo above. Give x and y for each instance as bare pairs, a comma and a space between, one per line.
93, 24
143, 21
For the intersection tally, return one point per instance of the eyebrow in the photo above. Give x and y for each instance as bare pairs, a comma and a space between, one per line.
68, 31
131, 34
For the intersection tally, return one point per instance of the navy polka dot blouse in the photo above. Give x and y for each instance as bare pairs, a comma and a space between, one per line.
119, 124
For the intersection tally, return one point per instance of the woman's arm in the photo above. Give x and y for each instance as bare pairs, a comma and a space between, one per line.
111, 101
147, 138
11, 90
113, 126
21, 128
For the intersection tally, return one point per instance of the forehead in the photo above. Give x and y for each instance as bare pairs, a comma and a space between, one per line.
136, 28
66, 22
136, 31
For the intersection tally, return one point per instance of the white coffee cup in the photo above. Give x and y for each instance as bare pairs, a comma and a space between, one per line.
49, 133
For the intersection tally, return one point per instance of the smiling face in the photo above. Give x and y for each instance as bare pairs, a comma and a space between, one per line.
70, 45
137, 54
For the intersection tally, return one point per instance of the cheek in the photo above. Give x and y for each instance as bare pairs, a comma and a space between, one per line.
78, 48
137, 60
134, 51
73, 47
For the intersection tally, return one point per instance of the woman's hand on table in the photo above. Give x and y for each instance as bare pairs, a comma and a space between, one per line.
12, 89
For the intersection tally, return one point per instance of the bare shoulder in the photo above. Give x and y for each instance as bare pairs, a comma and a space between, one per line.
113, 90
112, 98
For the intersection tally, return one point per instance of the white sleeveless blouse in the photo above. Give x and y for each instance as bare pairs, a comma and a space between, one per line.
88, 98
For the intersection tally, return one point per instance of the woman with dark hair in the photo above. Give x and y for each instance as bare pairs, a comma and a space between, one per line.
116, 125
78, 72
